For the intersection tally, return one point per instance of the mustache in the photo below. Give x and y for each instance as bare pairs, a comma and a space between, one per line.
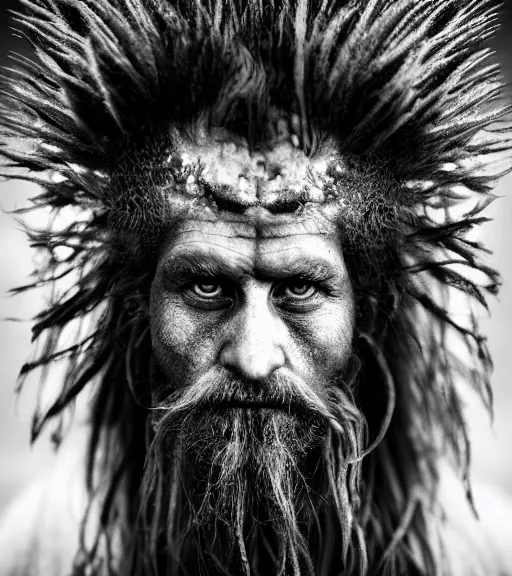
219, 389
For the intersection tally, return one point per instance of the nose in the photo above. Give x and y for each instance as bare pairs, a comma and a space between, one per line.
253, 349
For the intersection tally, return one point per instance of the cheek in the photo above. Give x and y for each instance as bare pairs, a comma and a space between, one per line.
324, 341
183, 343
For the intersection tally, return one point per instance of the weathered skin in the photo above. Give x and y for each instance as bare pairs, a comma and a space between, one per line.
252, 299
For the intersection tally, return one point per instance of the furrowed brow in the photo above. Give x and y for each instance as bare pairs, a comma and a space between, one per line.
306, 269
186, 267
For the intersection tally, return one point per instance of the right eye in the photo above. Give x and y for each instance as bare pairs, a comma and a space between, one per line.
208, 294
300, 290
208, 290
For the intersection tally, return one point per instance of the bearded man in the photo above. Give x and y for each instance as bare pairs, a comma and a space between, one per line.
263, 208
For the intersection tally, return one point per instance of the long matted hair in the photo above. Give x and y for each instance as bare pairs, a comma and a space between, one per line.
406, 89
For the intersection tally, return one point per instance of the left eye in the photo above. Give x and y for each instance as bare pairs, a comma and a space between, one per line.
207, 290
300, 290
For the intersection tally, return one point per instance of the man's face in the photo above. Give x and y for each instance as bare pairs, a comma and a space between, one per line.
254, 300
254, 294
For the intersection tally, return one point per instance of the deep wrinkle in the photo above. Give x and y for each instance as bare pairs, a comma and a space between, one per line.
195, 264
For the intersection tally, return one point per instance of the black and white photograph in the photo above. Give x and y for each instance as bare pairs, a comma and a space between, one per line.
255, 288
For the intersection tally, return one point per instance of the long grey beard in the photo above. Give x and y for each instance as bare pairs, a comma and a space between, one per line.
236, 490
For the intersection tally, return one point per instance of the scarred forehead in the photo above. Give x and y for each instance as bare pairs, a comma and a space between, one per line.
254, 210
258, 178
278, 191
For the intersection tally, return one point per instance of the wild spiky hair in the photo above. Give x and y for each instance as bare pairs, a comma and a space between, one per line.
407, 90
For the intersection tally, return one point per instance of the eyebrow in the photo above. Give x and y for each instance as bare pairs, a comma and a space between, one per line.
307, 269
188, 266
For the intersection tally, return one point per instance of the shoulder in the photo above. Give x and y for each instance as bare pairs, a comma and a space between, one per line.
39, 533
476, 544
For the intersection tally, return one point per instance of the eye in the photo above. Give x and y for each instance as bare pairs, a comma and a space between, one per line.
299, 290
297, 295
207, 290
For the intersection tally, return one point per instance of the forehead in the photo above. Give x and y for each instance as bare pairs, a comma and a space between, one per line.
276, 249
260, 208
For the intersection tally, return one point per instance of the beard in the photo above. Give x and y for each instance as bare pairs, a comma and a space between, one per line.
252, 478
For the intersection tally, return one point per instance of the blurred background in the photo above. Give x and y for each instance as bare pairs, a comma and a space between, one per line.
20, 463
